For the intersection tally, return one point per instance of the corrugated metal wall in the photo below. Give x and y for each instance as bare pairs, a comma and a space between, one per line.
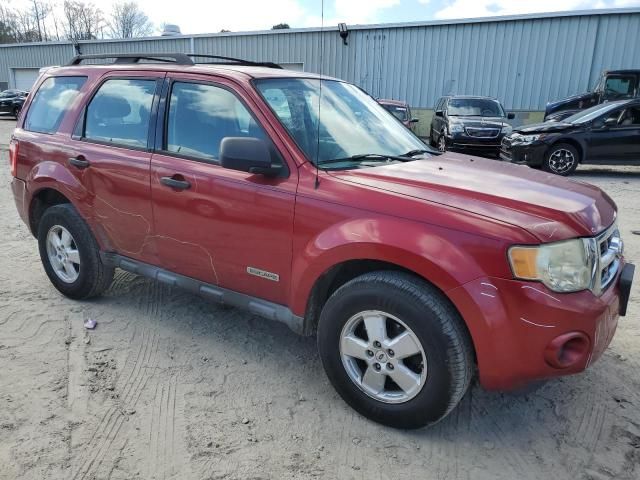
523, 61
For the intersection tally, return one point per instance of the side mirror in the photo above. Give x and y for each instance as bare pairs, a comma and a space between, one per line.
439, 113
414, 120
511, 116
246, 154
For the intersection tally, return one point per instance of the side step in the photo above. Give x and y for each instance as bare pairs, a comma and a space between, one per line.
257, 306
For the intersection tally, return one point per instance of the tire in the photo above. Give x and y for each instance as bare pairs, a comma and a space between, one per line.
561, 159
433, 324
442, 143
91, 277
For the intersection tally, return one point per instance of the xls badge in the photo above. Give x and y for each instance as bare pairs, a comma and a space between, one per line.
274, 277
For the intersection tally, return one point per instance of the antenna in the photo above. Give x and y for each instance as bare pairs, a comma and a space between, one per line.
317, 184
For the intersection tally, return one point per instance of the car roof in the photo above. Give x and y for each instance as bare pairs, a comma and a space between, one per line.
634, 71
227, 70
399, 103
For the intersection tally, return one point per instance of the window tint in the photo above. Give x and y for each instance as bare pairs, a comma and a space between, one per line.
630, 117
51, 102
119, 112
200, 116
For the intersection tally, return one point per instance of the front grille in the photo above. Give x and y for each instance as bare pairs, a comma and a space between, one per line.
482, 132
609, 248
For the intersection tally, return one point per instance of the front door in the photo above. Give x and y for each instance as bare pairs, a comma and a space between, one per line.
615, 138
220, 226
110, 154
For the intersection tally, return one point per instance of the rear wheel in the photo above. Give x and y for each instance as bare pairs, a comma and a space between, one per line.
70, 254
561, 159
395, 349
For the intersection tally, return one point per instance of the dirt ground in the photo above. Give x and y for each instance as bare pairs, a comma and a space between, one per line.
170, 386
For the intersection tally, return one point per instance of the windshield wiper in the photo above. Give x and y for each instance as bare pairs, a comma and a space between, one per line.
413, 153
367, 156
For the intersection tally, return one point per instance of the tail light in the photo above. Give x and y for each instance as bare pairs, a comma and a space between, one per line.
13, 157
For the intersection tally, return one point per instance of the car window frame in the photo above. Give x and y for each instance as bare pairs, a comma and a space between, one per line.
634, 79
634, 126
34, 97
81, 121
163, 123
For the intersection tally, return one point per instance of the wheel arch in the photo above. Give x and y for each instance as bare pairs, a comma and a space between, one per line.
41, 200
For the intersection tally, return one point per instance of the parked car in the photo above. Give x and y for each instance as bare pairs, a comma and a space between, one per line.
607, 134
401, 111
11, 101
612, 85
414, 270
469, 124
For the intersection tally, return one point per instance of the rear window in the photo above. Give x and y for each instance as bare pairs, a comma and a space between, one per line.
50, 103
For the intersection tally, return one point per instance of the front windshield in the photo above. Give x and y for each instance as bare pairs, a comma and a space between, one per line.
591, 113
474, 107
351, 122
399, 112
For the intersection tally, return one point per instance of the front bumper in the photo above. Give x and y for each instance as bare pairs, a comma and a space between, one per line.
465, 143
528, 154
523, 332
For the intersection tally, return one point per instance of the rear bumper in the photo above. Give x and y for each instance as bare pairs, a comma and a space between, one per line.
19, 189
523, 332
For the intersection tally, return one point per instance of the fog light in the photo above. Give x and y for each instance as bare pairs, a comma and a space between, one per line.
567, 350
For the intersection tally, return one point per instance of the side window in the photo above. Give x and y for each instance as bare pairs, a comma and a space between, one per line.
51, 102
619, 87
119, 112
630, 117
200, 116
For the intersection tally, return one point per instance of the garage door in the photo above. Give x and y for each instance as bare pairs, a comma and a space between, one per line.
25, 78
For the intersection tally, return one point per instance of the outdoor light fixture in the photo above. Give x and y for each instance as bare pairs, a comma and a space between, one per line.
344, 32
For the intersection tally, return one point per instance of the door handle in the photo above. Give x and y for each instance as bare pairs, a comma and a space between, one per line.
79, 162
177, 183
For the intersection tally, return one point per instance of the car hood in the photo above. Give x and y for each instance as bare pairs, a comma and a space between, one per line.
546, 127
480, 122
549, 207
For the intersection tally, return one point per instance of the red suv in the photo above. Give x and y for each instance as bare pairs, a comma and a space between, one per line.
254, 187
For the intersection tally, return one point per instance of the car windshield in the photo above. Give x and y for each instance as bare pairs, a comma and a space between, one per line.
333, 120
398, 111
591, 113
474, 107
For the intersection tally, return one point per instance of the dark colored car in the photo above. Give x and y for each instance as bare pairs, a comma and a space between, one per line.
401, 111
469, 124
11, 101
607, 134
413, 270
612, 85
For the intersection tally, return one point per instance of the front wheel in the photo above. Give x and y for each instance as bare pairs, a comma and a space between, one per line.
395, 349
442, 143
561, 159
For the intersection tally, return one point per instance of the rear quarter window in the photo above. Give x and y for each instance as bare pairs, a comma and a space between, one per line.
51, 102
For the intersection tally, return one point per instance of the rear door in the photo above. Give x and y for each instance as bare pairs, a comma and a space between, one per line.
110, 153
224, 227
617, 143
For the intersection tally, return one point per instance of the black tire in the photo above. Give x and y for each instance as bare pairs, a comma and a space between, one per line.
94, 277
557, 167
442, 143
436, 324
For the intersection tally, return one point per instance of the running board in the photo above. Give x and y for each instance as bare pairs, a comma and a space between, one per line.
257, 306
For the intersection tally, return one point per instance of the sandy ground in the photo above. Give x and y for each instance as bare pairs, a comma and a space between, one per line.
171, 386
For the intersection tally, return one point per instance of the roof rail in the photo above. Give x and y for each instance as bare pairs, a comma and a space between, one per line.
235, 61
176, 58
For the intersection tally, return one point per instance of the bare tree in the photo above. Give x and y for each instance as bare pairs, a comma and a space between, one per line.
39, 11
82, 21
128, 21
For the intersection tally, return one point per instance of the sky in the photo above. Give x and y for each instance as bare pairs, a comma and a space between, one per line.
208, 16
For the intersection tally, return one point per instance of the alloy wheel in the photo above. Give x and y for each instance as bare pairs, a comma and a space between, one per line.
561, 161
442, 144
63, 254
383, 356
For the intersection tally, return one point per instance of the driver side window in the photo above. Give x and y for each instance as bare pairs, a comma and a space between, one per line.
619, 87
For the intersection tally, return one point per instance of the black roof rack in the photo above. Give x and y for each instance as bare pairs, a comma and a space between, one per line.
175, 58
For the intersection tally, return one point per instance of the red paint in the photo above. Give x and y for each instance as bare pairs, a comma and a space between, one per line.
449, 219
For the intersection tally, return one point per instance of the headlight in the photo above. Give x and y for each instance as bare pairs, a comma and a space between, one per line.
507, 129
456, 128
566, 266
530, 138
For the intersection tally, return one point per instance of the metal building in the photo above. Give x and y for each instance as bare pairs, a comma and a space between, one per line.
523, 60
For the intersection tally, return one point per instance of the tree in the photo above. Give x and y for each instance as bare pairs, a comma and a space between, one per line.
82, 21
280, 26
128, 21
